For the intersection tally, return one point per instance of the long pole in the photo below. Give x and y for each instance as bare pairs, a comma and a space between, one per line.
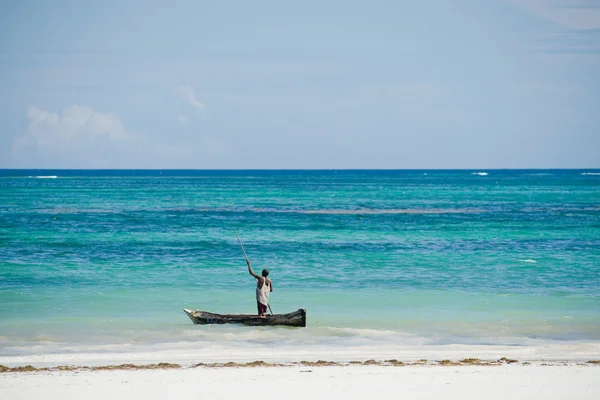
248, 260
242, 246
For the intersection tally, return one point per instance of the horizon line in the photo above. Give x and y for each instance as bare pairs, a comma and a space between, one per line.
303, 169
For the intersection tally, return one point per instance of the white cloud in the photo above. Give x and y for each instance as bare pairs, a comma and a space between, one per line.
191, 98
47, 129
77, 132
182, 119
79, 137
569, 14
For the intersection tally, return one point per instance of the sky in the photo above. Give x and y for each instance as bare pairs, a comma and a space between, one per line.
404, 84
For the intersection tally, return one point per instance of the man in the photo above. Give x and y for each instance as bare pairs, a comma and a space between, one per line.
264, 286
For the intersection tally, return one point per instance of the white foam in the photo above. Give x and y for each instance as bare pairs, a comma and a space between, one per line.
480, 173
44, 177
186, 354
528, 261
590, 173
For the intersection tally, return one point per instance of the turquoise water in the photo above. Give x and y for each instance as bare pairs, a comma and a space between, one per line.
94, 259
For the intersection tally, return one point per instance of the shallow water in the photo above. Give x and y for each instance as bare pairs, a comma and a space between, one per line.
100, 261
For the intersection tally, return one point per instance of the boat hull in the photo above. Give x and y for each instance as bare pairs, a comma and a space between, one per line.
296, 318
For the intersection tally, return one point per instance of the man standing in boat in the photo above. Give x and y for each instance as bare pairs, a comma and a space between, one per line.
264, 287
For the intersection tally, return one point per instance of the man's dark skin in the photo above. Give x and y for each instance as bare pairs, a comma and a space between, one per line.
260, 281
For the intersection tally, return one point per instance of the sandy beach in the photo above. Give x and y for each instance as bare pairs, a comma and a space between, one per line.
578, 381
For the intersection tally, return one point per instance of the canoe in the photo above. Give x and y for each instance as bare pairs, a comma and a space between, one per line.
296, 318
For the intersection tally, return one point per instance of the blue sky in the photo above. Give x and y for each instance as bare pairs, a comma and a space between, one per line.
312, 84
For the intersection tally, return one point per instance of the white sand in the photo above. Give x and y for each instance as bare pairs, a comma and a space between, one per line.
354, 382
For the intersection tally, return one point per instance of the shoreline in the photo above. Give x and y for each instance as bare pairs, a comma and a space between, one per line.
465, 362
187, 354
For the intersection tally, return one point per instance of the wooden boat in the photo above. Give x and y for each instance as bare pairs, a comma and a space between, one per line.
296, 318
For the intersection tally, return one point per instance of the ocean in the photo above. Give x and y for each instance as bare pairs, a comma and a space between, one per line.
97, 265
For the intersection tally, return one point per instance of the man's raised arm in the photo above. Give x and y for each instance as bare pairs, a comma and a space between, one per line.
250, 270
